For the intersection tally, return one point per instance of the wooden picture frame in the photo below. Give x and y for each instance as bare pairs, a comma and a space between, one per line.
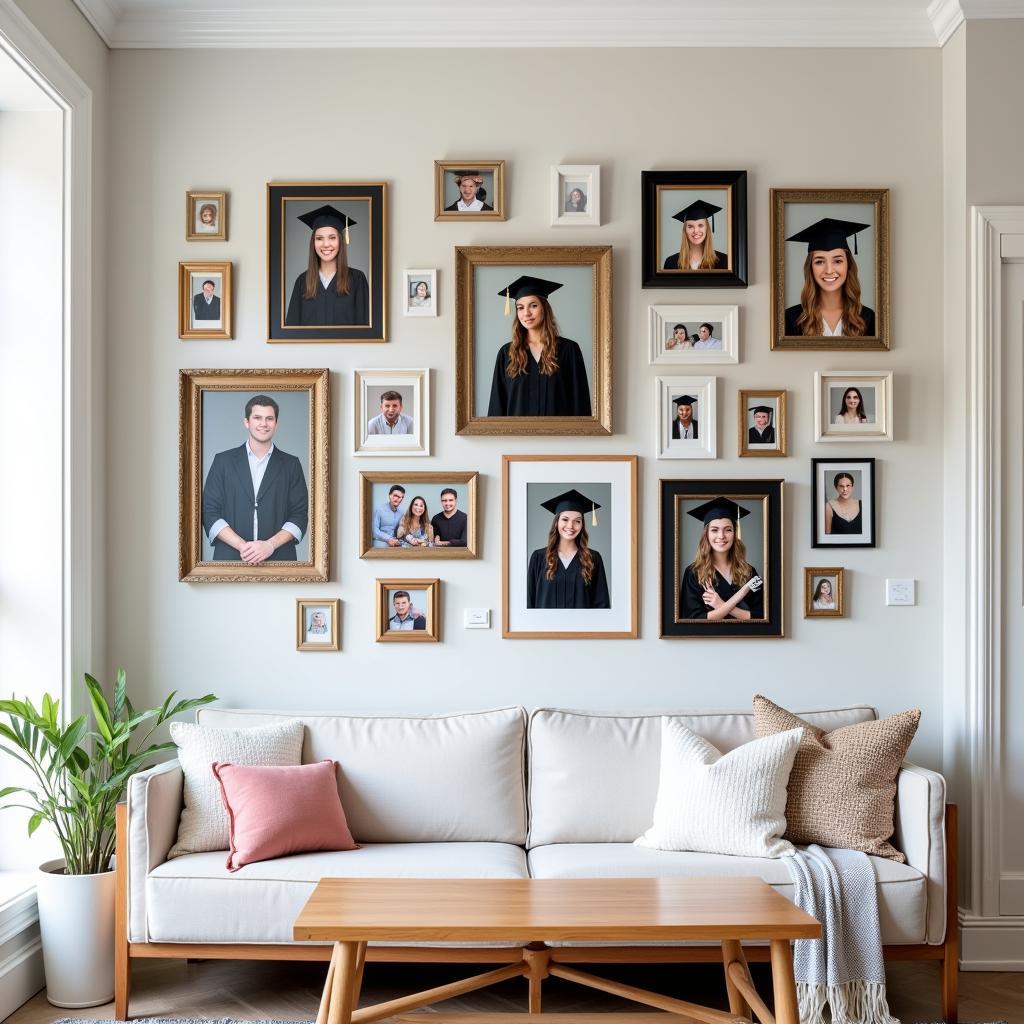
424, 597
205, 301
671, 441
855, 405
684, 610
611, 482
206, 216
816, 600
576, 195
826, 488
488, 176
213, 431
373, 401
361, 312
375, 491
317, 624
666, 193
675, 335
757, 441
868, 264
583, 308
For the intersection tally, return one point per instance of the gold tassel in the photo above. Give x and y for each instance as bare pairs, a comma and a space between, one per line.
508, 303
593, 514
348, 240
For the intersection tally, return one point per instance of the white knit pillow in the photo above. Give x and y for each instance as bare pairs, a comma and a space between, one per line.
204, 822
712, 802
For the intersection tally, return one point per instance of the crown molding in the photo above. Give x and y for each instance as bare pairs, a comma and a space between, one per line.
104, 16
946, 17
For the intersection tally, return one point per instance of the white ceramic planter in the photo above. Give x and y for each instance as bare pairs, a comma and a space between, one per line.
76, 923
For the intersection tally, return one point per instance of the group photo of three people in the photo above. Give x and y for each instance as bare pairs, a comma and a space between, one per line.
397, 524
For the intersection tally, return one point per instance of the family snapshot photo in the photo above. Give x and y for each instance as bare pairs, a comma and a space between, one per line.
317, 624
693, 334
408, 610
392, 412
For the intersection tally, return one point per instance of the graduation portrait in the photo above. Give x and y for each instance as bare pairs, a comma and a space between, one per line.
392, 412
569, 546
204, 301
206, 216
469, 189
721, 550
694, 229
533, 340
830, 269
687, 417
408, 611
762, 423
326, 273
253, 475
843, 503
853, 406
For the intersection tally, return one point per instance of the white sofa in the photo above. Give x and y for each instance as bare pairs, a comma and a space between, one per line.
502, 794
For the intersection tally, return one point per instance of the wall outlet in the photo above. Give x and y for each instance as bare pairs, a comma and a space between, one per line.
900, 592
476, 618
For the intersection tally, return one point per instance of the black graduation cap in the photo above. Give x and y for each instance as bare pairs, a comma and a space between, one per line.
328, 216
467, 174
719, 508
763, 408
526, 285
829, 233
685, 400
698, 211
572, 501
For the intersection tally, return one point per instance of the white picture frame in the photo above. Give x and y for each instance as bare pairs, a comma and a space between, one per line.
585, 178
411, 302
662, 322
874, 388
704, 414
369, 387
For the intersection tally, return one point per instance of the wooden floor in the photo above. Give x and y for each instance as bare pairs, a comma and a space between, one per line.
253, 990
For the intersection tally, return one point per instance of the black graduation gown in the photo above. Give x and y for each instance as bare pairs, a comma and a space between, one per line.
563, 393
567, 589
755, 437
329, 309
206, 310
721, 262
691, 596
454, 208
675, 430
793, 314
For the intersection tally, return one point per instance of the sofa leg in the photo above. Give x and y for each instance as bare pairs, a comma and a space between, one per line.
122, 961
950, 963
538, 960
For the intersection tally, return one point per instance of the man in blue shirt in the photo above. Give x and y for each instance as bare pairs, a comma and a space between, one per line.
386, 519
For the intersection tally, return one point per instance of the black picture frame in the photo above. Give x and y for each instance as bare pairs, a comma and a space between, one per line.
366, 204
823, 475
677, 548
655, 187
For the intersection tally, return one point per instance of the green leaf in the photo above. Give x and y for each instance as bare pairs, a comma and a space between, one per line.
8, 790
120, 693
35, 821
100, 709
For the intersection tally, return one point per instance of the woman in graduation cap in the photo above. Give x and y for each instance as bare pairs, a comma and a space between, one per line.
720, 583
537, 373
830, 305
328, 292
684, 426
567, 573
697, 245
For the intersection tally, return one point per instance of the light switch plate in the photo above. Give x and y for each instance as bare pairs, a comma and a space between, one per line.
476, 618
900, 592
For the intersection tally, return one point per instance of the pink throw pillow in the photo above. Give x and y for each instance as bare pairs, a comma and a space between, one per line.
273, 812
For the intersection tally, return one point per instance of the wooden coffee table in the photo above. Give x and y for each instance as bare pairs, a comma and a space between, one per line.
352, 911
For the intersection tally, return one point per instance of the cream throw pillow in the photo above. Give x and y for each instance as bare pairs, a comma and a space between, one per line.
204, 821
711, 802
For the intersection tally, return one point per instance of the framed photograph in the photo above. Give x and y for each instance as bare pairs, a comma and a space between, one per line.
687, 417
204, 301
253, 471
830, 268
823, 593
408, 611
333, 232
843, 503
853, 406
469, 190
762, 422
206, 216
694, 226
417, 515
420, 292
506, 299
721, 558
317, 624
392, 412
569, 546
576, 195
697, 335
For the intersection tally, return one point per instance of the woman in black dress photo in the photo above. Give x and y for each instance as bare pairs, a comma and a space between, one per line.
830, 305
843, 513
720, 583
537, 373
567, 573
328, 292
697, 244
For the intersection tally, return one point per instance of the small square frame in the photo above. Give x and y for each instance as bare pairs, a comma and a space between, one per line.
187, 330
589, 178
410, 280
414, 444
431, 633
827, 430
661, 322
838, 575
194, 202
704, 445
442, 209
333, 641
823, 473
744, 397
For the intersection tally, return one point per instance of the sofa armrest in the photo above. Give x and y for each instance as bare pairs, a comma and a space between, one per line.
154, 807
920, 834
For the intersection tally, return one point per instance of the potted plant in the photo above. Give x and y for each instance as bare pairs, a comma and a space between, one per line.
80, 775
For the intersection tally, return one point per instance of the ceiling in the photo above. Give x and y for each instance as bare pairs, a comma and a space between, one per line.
163, 24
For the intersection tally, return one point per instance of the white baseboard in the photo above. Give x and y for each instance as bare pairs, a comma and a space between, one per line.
991, 943
21, 953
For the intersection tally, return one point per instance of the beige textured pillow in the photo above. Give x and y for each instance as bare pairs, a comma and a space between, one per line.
843, 783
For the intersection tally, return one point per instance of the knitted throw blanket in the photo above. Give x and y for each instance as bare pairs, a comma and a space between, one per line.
844, 968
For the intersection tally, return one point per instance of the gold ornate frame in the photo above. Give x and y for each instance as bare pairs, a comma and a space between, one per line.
495, 167
432, 633
185, 329
302, 604
193, 200
743, 396
836, 572
191, 386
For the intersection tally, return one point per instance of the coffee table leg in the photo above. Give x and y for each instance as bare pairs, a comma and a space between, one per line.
325, 999
357, 984
732, 953
783, 983
340, 1011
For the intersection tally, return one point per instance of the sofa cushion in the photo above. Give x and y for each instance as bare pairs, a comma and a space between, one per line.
197, 899
594, 775
902, 897
403, 779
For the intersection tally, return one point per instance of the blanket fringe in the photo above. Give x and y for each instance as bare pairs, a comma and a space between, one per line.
854, 1002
